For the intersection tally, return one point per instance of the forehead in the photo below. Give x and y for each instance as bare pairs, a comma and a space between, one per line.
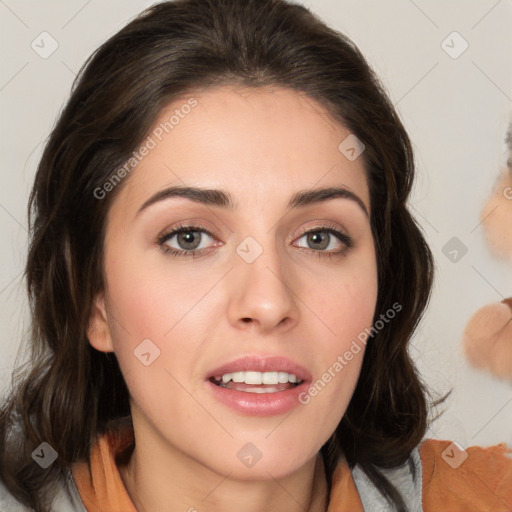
266, 142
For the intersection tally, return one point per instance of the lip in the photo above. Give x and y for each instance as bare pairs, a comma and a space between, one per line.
262, 364
255, 404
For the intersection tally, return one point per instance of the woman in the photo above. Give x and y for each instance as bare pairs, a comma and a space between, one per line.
194, 349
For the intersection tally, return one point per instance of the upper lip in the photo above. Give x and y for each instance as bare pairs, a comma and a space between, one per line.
262, 364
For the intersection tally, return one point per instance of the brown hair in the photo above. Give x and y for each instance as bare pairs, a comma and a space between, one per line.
71, 391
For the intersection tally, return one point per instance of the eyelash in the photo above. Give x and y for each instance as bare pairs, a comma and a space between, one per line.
185, 228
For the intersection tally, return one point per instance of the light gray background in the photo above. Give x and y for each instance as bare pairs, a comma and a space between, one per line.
455, 110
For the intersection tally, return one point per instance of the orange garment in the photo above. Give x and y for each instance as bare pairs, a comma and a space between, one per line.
482, 483
99, 482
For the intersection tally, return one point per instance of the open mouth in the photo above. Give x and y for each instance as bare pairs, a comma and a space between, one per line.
257, 382
259, 385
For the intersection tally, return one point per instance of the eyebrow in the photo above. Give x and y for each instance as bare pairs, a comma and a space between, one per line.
223, 199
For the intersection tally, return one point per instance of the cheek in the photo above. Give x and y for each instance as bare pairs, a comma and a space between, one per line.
152, 327
345, 300
150, 296
157, 328
345, 310
349, 304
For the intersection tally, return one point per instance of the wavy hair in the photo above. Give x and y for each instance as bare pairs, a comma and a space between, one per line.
70, 393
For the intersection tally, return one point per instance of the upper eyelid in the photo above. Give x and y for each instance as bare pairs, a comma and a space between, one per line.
197, 227
171, 232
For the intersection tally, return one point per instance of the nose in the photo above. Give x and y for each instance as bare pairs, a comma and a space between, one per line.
261, 292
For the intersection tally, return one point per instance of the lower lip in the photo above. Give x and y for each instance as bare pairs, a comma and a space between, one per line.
259, 404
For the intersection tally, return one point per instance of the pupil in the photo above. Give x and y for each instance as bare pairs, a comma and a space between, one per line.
313, 236
187, 238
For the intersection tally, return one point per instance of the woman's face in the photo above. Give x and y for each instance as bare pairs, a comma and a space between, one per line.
257, 286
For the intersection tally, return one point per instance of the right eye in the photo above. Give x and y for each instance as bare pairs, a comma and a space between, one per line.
188, 239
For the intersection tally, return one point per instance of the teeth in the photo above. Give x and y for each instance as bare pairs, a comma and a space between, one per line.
250, 377
237, 376
270, 377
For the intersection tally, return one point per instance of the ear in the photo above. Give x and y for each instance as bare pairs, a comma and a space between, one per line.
98, 331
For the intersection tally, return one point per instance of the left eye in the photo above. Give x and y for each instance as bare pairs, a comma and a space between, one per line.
322, 238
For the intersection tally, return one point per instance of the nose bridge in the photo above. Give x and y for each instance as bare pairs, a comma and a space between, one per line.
261, 288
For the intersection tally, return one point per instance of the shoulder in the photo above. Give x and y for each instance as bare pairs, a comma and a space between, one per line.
66, 498
478, 478
442, 475
406, 478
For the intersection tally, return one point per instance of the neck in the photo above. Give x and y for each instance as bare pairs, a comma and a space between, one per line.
158, 482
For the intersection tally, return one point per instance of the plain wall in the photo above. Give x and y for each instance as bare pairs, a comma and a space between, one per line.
456, 111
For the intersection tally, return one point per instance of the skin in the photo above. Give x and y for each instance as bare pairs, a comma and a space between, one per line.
496, 217
261, 145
